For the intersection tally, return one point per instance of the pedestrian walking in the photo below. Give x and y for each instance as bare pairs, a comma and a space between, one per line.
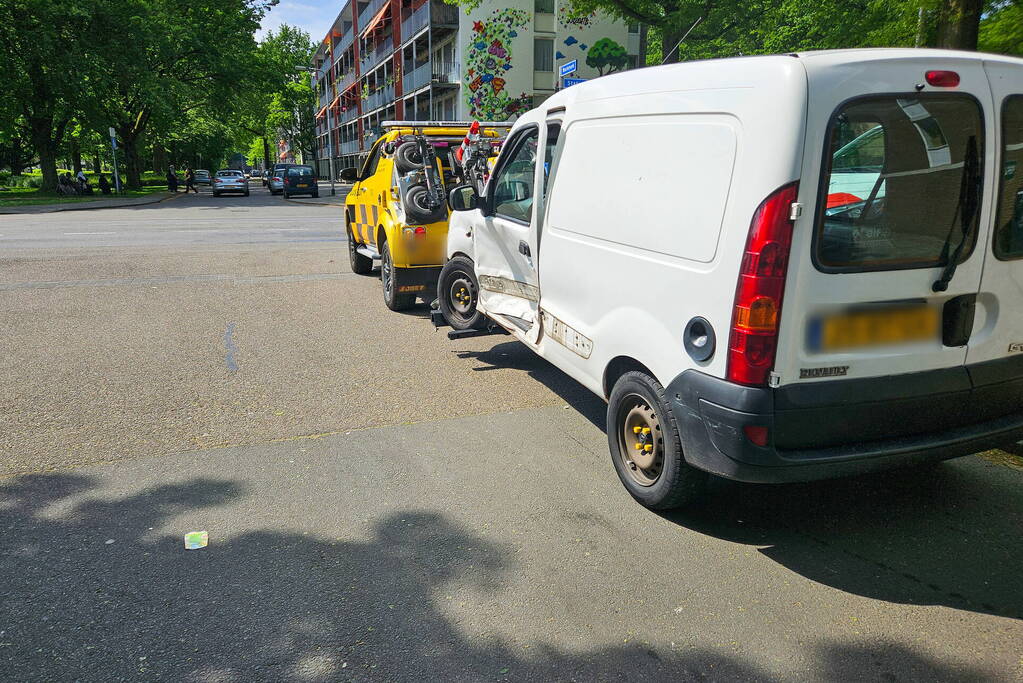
190, 181
172, 180
104, 185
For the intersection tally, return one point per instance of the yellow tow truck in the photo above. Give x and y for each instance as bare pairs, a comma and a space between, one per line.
397, 210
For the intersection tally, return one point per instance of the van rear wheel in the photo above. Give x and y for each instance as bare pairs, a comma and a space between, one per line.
645, 446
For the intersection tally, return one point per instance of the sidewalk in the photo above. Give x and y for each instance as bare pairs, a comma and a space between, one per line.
113, 203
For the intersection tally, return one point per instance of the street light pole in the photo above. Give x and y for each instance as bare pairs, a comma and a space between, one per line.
113, 149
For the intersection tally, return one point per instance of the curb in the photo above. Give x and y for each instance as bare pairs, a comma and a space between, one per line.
339, 204
57, 209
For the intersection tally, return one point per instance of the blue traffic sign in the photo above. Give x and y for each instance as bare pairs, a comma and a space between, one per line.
569, 68
572, 81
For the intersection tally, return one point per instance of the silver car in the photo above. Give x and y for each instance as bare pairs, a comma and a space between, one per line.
275, 178
202, 177
229, 180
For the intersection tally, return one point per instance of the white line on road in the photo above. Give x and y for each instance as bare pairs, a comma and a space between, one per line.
89, 233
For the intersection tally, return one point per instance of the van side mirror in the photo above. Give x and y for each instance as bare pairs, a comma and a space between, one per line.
463, 198
349, 175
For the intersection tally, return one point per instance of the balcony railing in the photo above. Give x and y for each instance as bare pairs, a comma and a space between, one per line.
416, 21
379, 99
371, 9
346, 80
446, 72
371, 59
417, 78
350, 115
350, 147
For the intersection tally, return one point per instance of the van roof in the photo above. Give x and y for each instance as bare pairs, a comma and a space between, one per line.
741, 72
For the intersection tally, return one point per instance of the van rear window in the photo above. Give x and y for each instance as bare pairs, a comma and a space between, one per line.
1009, 225
901, 174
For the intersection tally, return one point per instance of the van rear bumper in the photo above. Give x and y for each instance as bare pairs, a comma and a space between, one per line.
845, 427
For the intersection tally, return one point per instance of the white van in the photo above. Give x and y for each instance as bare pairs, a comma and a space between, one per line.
774, 269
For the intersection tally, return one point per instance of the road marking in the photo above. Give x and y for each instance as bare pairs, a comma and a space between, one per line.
88, 233
293, 229
232, 366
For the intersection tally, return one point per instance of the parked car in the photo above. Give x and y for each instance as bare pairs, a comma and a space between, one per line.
672, 238
275, 180
300, 180
229, 180
256, 173
202, 177
396, 211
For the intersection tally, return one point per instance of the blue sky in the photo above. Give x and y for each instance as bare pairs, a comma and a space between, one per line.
312, 16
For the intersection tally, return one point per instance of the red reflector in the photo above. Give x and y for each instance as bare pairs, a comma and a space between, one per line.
756, 434
757, 312
943, 79
420, 230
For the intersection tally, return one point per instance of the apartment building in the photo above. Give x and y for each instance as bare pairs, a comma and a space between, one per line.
427, 60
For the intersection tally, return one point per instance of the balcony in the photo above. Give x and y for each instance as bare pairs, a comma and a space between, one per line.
379, 99
417, 78
372, 8
371, 59
415, 22
350, 115
446, 72
351, 147
346, 80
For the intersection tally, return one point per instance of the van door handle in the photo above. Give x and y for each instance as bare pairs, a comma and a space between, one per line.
523, 248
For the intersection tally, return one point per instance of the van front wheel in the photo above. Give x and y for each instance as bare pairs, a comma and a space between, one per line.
458, 294
645, 445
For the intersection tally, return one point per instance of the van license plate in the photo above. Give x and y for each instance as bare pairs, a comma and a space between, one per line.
884, 327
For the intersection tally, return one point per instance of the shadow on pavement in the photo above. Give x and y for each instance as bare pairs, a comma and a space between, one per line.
513, 355
941, 535
274, 606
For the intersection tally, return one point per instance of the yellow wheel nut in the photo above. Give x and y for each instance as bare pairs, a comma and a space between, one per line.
637, 429
646, 430
649, 447
638, 446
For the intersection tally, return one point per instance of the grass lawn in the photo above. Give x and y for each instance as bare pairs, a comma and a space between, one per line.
34, 197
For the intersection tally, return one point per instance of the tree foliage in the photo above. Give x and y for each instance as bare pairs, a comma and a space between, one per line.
608, 55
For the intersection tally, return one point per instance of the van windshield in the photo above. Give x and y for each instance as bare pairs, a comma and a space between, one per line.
891, 192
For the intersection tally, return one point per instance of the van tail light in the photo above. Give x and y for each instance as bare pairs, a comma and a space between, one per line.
758, 293
942, 79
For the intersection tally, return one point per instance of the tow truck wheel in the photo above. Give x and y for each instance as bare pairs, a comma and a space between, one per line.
645, 445
458, 293
391, 279
360, 264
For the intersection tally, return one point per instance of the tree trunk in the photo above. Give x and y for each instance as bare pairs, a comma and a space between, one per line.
132, 168
959, 24
267, 161
159, 159
76, 157
669, 37
641, 58
47, 151
97, 164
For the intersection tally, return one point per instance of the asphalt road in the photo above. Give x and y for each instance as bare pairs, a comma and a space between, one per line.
384, 504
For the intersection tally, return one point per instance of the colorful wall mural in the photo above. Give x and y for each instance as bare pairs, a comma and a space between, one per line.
496, 46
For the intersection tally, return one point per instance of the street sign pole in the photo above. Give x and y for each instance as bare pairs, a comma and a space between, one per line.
113, 149
330, 152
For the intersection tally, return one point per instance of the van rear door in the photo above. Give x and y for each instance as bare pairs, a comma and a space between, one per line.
893, 187
999, 328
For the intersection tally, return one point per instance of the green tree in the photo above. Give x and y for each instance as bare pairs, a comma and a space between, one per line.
607, 54
1001, 30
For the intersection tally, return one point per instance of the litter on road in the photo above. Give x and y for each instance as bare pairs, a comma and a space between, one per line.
196, 539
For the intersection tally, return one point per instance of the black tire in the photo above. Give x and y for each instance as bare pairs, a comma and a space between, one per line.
407, 157
417, 207
458, 293
390, 278
246, 193
659, 479
361, 264
316, 195
215, 193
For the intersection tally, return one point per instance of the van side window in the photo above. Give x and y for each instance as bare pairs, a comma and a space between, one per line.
513, 184
553, 133
1009, 221
899, 173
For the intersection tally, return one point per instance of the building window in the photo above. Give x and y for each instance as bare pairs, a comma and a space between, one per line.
633, 28
543, 54
544, 6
